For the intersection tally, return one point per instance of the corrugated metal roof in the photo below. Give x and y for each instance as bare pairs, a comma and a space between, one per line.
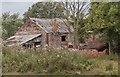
45, 24
22, 38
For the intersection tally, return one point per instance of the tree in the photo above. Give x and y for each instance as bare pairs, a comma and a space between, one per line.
104, 19
10, 24
45, 10
75, 13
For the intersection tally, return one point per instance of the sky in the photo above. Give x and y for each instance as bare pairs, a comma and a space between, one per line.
16, 7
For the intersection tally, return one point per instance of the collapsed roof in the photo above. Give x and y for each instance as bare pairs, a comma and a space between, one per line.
45, 24
18, 40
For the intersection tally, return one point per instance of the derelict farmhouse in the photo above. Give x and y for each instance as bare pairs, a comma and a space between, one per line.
42, 32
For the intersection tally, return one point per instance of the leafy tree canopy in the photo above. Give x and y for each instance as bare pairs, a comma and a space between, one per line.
10, 24
45, 10
104, 19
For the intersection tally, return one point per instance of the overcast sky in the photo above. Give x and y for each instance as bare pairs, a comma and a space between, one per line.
16, 7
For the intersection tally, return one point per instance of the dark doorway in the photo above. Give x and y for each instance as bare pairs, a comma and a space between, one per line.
63, 38
37, 43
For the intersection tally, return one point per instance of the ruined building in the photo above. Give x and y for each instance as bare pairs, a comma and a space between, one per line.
42, 32
92, 42
50, 32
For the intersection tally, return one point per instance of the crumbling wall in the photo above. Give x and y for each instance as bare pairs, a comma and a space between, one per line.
29, 28
44, 38
71, 39
55, 40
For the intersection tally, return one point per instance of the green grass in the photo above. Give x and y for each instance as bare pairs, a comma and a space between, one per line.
104, 65
17, 60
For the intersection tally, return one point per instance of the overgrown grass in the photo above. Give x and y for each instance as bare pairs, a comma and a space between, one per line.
104, 65
109, 67
49, 61
111, 56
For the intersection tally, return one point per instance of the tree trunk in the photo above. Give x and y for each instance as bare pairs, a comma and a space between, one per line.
77, 26
74, 25
109, 48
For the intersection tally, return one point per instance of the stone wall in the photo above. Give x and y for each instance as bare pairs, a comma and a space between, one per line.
56, 40
29, 28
